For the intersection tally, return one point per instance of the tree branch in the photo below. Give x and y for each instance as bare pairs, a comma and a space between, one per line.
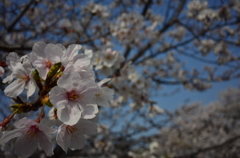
9, 29
165, 27
147, 5
15, 48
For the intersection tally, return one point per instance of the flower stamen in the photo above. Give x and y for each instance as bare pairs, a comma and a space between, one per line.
99, 94
72, 130
73, 96
24, 78
48, 64
32, 131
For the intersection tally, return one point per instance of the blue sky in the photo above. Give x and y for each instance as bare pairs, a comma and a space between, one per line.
178, 99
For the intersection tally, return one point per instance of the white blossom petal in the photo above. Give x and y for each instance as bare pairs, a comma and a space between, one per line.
45, 144
23, 122
72, 51
8, 135
89, 111
8, 79
38, 49
69, 115
46, 129
103, 81
53, 52
67, 80
86, 127
77, 142
58, 97
15, 88
25, 146
30, 86
63, 138
104, 96
102, 102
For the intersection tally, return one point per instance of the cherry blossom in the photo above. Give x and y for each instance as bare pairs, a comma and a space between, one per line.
73, 136
109, 57
82, 65
74, 96
71, 54
29, 134
43, 56
12, 59
23, 80
104, 95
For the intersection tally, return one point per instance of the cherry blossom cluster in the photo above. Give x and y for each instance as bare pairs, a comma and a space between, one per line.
62, 79
128, 26
127, 81
196, 128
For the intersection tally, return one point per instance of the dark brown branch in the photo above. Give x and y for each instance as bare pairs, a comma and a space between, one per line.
9, 29
201, 33
16, 48
144, 11
165, 27
159, 81
128, 49
165, 50
204, 60
147, 5
141, 52
174, 17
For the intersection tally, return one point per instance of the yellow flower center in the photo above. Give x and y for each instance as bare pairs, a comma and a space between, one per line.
24, 77
48, 64
108, 57
99, 94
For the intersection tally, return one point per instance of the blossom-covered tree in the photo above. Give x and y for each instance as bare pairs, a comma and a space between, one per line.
194, 131
70, 58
